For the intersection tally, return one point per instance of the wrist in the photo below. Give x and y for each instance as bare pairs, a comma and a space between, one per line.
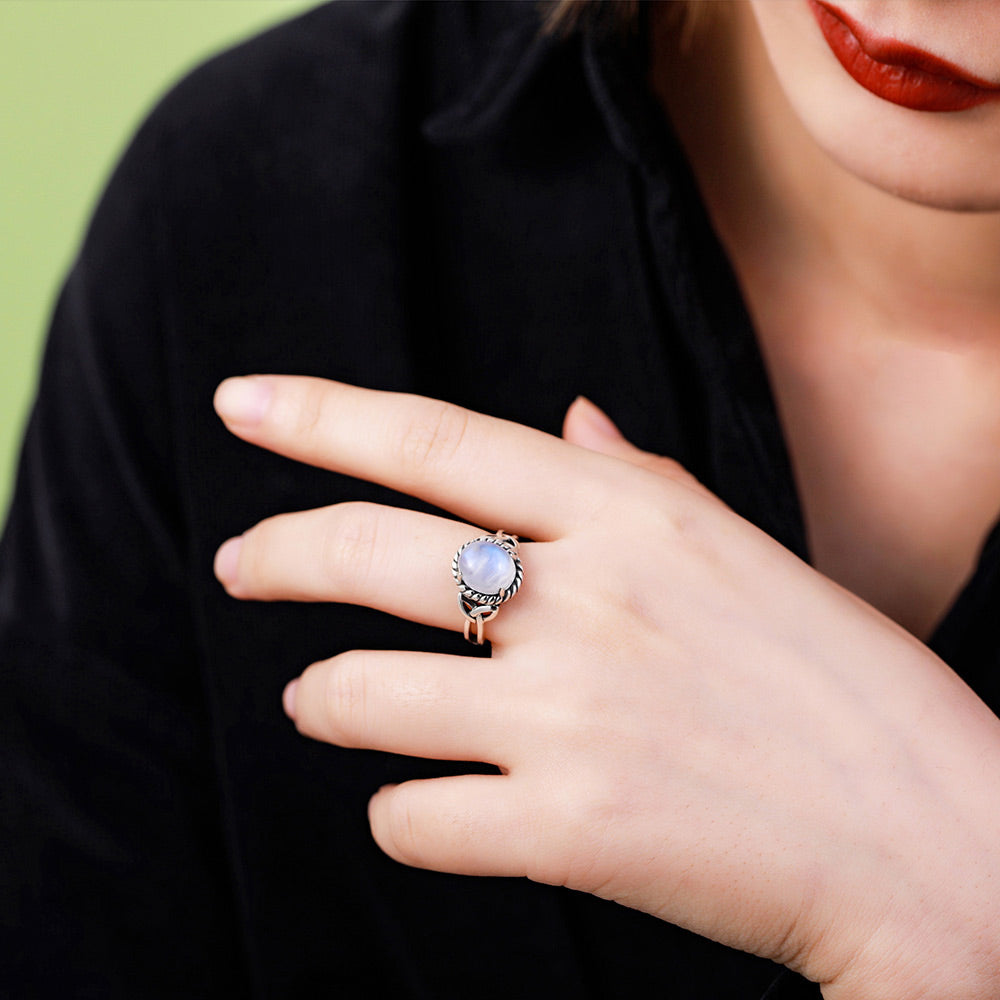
937, 937
918, 915
924, 970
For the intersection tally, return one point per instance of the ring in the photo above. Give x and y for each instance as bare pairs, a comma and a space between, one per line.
488, 572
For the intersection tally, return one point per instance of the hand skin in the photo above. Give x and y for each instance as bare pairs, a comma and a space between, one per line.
688, 719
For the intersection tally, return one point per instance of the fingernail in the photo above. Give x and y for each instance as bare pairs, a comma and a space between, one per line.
380, 794
227, 559
288, 698
243, 400
596, 419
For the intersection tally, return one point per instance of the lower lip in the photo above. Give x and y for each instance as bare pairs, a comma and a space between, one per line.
897, 72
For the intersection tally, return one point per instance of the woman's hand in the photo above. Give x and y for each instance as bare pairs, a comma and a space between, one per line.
688, 719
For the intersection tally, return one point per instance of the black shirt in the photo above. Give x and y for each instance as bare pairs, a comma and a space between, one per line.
424, 197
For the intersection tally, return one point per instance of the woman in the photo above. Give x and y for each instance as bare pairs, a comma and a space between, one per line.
791, 290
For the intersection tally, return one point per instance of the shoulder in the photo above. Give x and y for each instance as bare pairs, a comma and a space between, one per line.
357, 65
326, 103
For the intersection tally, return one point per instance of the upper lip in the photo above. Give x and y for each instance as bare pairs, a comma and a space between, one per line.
891, 52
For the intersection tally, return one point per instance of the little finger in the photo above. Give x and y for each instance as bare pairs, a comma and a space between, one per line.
470, 824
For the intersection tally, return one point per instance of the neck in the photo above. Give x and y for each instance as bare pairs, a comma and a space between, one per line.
784, 207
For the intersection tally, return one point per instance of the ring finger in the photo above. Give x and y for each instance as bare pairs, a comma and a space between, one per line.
395, 560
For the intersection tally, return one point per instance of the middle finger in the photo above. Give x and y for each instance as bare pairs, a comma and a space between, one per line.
478, 467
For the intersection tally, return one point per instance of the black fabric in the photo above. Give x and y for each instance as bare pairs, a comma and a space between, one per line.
422, 197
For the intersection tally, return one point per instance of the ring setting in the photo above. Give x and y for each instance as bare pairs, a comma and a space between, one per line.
488, 572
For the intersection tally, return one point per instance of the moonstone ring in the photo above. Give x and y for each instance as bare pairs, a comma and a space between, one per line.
488, 573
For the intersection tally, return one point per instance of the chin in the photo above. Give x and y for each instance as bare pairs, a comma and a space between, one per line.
920, 180
970, 203
947, 165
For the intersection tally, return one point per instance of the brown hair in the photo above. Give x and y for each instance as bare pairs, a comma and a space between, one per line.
566, 16
621, 16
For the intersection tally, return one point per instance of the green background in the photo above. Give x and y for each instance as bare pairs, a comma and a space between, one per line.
76, 77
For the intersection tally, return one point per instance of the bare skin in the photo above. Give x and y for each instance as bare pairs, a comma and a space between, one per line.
879, 320
724, 737
719, 736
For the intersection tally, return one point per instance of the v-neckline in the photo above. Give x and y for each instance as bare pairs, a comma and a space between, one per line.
747, 373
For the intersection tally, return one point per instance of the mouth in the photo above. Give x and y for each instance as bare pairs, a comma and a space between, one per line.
897, 72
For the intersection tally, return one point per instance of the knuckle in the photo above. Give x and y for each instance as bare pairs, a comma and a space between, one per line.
669, 468
668, 515
584, 816
347, 698
435, 437
402, 828
304, 410
255, 564
352, 543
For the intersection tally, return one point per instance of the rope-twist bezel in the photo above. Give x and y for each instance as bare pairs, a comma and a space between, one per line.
479, 608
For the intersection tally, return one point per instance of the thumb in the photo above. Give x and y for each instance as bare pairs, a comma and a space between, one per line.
587, 425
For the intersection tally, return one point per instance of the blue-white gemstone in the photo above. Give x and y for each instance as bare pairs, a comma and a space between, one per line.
486, 567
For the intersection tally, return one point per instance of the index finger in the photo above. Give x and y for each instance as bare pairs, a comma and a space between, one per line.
490, 471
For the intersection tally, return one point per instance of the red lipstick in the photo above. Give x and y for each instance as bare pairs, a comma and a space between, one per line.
898, 72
